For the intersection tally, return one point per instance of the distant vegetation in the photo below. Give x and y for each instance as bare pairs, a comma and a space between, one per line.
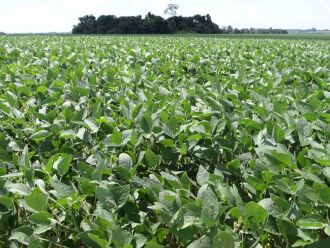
153, 24
2, 33
311, 30
150, 24
300, 36
231, 30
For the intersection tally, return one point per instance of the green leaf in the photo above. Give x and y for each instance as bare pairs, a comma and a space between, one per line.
4, 109
202, 175
6, 204
125, 160
24, 159
287, 228
85, 169
304, 131
275, 131
301, 158
63, 163
116, 138
86, 186
300, 243
311, 221
91, 123
120, 237
326, 173
113, 196
93, 238
61, 189
210, 205
234, 164
18, 188
40, 135
174, 181
146, 123
172, 125
322, 191
35, 242
253, 214
323, 243
203, 242
136, 110
3, 141
151, 159
68, 134
41, 218
37, 201
153, 244
11, 98
22, 234
327, 230
102, 243
223, 240
281, 158
278, 134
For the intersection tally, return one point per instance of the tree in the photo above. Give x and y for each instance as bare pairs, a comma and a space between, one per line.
87, 25
106, 24
153, 24
171, 9
229, 30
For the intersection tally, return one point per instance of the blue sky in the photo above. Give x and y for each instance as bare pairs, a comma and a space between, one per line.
61, 15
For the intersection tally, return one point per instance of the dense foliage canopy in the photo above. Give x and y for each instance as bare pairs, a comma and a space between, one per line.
164, 142
153, 24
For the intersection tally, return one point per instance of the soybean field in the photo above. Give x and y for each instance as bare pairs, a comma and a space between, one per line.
146, 141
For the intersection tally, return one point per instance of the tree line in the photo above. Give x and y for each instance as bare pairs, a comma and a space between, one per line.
153, 24
230, 30
150, 24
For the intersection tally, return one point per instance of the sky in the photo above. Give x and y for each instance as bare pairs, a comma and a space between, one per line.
25, 16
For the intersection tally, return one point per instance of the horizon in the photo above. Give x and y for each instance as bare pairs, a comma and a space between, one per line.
48, 16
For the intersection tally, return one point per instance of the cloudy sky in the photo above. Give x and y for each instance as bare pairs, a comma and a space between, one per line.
61, 15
